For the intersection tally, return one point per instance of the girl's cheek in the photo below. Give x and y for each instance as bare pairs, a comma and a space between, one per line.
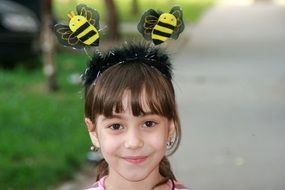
109, 143
160, 143
158, 140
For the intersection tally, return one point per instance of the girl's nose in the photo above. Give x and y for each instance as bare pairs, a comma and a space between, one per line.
134, 139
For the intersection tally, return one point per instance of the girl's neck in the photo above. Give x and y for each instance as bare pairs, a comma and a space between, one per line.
116, 182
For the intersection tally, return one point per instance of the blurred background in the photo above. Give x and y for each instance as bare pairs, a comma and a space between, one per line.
229, 79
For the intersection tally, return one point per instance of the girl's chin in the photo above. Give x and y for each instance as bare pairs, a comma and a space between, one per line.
134, 177
138, 176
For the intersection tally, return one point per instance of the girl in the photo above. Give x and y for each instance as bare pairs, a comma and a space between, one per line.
131, 117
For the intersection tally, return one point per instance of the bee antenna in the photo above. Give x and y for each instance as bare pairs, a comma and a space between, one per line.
71, 14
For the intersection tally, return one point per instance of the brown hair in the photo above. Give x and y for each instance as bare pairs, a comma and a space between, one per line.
105, 95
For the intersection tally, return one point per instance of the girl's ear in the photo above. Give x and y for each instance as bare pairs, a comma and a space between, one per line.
171, 131
92, 132
89, 124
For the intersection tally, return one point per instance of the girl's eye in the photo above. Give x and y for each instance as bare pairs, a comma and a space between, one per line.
116, 126
148, 124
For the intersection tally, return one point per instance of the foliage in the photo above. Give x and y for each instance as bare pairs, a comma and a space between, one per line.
42, 136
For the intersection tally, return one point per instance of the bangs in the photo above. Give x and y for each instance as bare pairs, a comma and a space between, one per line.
148, 89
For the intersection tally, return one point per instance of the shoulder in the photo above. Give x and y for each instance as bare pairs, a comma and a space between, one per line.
179, 186
95, 186
98, 185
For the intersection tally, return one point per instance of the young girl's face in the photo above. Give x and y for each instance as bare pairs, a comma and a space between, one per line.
133, 146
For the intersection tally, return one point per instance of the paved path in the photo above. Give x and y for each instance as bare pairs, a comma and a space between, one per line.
231, 95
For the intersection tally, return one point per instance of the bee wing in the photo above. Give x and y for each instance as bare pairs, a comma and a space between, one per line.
62, 33
150, 22
66, 37
61, 28
147, 23
74, 42
91, 15
177, 12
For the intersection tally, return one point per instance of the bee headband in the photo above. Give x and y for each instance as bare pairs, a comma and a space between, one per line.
158, 26
82, 29
136, 53
82, 32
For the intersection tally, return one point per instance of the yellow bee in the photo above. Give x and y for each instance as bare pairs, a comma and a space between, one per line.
158, 27
81, 30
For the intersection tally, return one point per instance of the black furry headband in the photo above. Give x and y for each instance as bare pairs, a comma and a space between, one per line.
132, 52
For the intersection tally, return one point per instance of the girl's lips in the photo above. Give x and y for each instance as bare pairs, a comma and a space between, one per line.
135, 159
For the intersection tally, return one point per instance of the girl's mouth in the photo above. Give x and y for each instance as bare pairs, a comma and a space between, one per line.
135, 159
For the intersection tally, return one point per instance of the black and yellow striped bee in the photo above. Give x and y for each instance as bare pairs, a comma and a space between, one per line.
158, 27
82, 29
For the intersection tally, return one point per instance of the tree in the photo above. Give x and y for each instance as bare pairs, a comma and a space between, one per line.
135, 7
48, 48
112, 20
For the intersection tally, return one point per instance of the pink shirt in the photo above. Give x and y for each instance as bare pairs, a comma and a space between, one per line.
99, 185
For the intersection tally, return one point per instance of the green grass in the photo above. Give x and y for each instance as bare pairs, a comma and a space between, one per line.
192, 9
42, 136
